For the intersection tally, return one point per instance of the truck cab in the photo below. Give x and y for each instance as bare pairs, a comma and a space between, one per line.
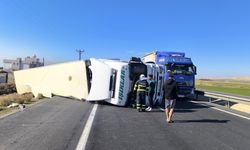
182, 67
113, 80
184, 74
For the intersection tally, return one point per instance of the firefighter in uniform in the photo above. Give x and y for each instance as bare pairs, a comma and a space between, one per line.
141, 88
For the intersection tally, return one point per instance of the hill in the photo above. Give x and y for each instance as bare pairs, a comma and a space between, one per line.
246, 78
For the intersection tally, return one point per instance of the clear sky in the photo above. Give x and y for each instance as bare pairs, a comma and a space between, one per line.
214, 33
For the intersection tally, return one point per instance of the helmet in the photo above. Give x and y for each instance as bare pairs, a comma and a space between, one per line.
142, 76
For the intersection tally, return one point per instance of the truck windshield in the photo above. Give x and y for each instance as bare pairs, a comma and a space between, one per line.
181, 69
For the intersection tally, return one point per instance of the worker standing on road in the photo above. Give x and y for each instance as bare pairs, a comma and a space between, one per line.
141, 89
170, 92
151, 92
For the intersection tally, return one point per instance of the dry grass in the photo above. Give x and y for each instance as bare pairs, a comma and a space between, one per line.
40, 96
225, 86
16, 98
5, 110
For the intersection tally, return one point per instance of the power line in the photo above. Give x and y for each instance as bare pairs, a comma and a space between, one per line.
80, 53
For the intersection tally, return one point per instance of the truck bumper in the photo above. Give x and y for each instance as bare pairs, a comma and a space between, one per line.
186, 93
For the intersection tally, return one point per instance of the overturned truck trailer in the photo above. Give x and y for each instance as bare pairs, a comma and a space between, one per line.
65, 79
92, 80
114, 80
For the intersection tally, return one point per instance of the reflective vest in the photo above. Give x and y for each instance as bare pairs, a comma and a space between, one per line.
141, 86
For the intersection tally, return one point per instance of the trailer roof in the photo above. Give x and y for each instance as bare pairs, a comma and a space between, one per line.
166, 53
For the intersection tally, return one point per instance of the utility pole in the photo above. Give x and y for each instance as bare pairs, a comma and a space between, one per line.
80, 53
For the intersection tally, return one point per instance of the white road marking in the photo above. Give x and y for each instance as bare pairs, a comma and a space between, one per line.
231, 113
85, 134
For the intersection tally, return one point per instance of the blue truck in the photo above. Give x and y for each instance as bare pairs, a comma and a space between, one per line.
182, 67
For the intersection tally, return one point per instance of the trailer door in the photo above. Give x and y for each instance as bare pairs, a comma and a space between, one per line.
100, 83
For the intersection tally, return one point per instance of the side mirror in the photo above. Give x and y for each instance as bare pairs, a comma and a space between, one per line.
195, 70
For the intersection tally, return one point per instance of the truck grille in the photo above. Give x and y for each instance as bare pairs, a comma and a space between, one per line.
181, 84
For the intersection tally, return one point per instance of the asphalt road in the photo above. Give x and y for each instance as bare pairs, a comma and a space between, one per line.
54, 124
57, 124
196, 127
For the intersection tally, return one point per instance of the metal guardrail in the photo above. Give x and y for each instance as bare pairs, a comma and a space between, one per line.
225, 97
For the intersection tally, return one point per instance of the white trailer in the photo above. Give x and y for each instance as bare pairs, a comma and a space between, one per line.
94, 80
65, 79
158, 72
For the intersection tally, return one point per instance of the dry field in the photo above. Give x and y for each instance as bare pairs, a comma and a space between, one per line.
232, 86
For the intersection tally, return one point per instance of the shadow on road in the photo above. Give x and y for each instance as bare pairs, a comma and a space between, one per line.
202, 121
178, 110
187, 107
182, 106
